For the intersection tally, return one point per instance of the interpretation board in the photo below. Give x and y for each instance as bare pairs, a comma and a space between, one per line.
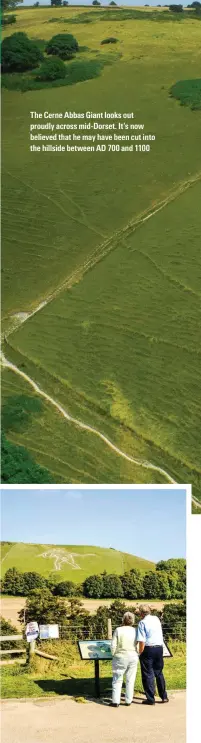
166, 651
95, 649
49, 631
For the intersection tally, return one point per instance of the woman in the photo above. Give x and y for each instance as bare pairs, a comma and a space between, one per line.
125, 659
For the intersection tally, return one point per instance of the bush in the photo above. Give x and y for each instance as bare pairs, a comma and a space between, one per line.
8, 19
176, 8
52, 69
62, 45
6, 628
174, 621
110, 40
19, 53
188, 92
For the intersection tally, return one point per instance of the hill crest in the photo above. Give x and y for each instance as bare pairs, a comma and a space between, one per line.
69, 562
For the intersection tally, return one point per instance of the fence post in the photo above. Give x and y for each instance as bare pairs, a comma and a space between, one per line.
30, 650
109, 629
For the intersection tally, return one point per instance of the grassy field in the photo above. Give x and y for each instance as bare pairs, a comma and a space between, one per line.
120, 348
74, 677
72, 562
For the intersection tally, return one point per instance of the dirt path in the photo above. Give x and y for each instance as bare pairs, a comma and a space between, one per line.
102, 249
84, 426
96, 256
11, 605
64, 721
196, 502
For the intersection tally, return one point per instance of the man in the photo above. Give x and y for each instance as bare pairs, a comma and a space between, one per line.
150, 639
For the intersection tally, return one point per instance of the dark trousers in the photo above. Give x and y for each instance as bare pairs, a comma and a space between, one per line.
151, 661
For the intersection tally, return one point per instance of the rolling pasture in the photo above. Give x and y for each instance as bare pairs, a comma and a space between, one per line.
69, 562
118, 347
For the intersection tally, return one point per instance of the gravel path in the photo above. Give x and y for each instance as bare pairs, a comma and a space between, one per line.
65, 721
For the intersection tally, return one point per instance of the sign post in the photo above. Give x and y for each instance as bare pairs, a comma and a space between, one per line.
95, 650
97, 678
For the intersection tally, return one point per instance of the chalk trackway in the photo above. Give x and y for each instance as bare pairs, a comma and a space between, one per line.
84, 426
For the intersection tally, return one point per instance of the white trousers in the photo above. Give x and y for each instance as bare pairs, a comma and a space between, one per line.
124, 663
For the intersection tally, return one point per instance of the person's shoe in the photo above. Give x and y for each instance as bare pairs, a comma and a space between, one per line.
128, 704
113, 704
146, 701
165, 700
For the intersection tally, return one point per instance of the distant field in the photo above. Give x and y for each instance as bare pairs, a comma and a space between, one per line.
120, 350
72, 562
11, 605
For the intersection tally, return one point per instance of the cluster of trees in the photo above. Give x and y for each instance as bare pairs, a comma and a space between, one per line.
168, 581
18, 466
76, 623
19, 53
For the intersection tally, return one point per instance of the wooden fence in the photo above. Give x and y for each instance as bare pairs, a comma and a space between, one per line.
28, 651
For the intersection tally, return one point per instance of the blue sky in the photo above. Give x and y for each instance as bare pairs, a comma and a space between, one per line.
146, 523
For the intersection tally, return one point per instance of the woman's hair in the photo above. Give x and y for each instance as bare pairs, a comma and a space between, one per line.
128, 618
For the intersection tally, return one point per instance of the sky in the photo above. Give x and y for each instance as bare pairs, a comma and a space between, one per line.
146, 523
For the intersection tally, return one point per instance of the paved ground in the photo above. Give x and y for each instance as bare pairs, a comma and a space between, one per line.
10, 606
65, 721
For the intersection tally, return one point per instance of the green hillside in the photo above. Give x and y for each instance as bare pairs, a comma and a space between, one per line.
68, 562
111, 241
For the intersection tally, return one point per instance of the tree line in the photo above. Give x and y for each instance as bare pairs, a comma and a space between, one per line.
167, 582
76, 623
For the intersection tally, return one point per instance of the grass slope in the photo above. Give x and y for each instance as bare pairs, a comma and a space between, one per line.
121, 349
47, 679
87, 559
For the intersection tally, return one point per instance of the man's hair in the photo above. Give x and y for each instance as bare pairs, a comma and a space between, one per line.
128, 618
144, 609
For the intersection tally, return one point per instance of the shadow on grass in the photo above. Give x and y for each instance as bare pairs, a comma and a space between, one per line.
83, 688
75, 687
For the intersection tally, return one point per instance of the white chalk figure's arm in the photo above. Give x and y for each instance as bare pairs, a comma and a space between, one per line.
114, 642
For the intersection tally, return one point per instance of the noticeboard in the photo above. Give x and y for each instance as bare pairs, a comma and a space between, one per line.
95, 649
32, 631
166, 651
49, 631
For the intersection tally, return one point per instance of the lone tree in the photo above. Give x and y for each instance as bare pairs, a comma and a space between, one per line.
56, 3
176, 8
63, 46
93, 587
13, 583
44, 608
65, 588
96, 2
19, 53
9, 4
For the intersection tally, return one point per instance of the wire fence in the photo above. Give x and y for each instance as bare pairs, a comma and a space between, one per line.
73, 632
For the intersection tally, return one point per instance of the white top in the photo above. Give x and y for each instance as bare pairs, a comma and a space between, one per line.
124, 639
150, 631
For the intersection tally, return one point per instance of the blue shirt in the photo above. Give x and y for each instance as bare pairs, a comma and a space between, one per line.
150, 631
